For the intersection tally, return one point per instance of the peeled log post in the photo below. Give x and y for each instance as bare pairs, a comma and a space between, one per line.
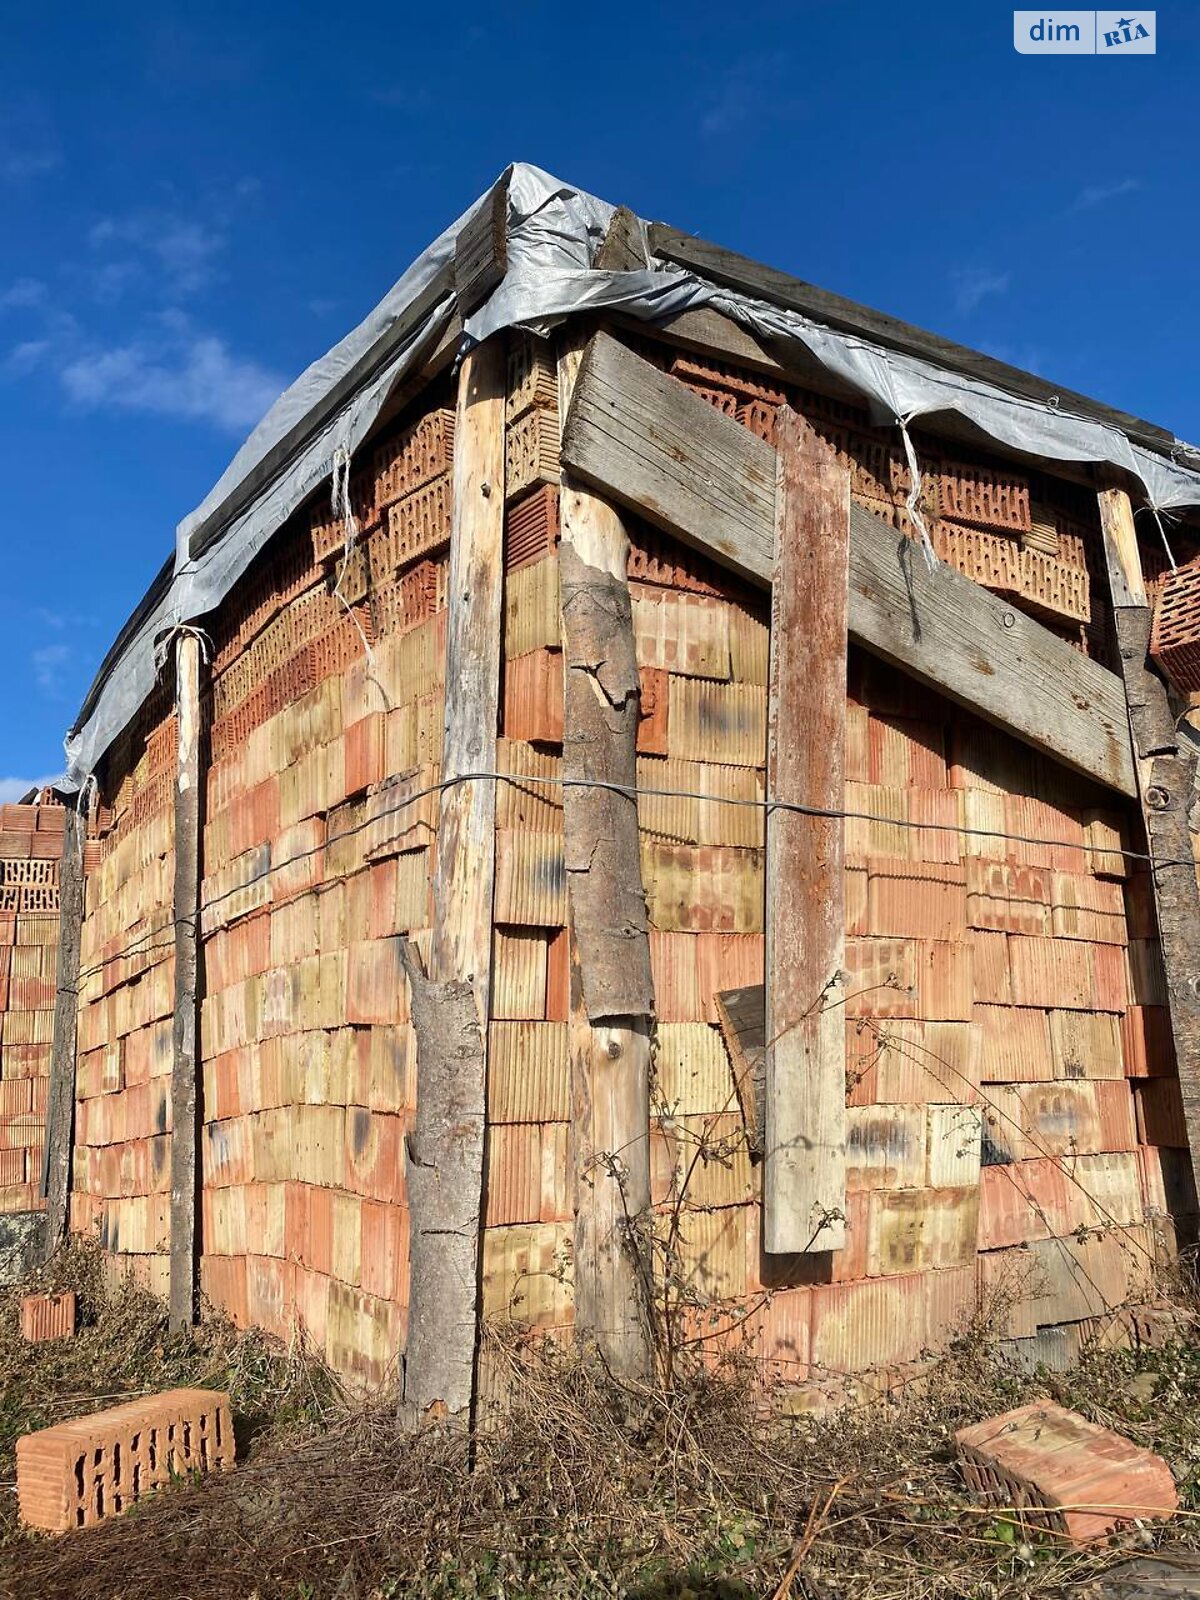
450, 1006
612, 992
184, 1102
1166, 773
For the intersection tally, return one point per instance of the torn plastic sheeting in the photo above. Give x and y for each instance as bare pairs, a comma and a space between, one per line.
553, 233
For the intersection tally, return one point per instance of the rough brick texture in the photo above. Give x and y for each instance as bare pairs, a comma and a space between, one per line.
76, 1474
48, 1316
1079, 1479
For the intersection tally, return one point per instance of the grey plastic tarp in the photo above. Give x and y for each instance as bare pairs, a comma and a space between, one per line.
553, 233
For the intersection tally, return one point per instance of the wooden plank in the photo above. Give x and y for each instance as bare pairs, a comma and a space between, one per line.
481, 250
1166, 772
446, 1155
742, 1017
623, 247
638, 435
185, 1191
60, 1107
1126, 580
780, 288
612, 993
804, 1167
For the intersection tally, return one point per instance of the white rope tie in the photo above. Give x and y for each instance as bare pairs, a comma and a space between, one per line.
342, 507
1162, 533
182, 630
914, 495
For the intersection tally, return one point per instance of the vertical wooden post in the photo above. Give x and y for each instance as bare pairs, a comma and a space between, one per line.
804, 1175
451, 1004
184, 1098
612, 991
60, 1108
1166, 787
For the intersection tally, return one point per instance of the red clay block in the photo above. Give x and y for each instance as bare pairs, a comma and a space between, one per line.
653, 711
48, 1316
533, 697
78, 1473
1080, 1479
1146, 1042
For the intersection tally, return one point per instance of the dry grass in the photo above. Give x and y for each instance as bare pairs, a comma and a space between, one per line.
585, 1489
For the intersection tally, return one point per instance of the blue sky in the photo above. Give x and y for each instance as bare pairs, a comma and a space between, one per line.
197, 202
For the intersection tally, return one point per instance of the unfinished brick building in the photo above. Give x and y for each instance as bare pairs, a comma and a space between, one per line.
31, 840
443, 960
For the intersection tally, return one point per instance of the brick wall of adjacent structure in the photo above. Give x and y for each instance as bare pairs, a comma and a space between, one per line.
1014, 1117
31, 839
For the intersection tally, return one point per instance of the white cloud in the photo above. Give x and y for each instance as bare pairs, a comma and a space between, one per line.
184, 250
754, 88
1099, 194
49, 667
28, 141
179, 373
22, 295
973, 284
14, 789
23, 358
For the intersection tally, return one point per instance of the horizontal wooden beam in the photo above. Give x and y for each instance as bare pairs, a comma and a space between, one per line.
643, 438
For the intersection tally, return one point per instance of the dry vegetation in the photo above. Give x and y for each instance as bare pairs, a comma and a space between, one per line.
586, 1489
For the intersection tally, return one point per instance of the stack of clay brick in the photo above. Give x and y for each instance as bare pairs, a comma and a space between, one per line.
317, 863
31, 839
121, 1179
1005, 1019
527, 1204
993, 984
1032, 539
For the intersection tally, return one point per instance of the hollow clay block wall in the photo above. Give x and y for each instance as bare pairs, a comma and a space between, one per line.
31, 840
316, 862
121, 1174
1014, 1123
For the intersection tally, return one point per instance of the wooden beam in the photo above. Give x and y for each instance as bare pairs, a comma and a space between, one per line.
185, 1190
481, 250
445, 1166
642, 437
60, 1107
1126, 580
612, 991
623, 248
1166, 773
804, 1170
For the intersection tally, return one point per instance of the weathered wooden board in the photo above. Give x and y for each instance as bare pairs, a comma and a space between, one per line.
612, 992
1166, 771
804, 1168
742, 1017
185, 1188
60, 1108
481, 250
451, 1005
636, 434
623, 248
